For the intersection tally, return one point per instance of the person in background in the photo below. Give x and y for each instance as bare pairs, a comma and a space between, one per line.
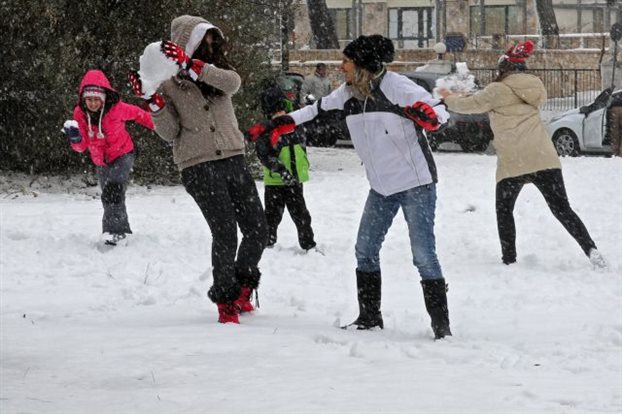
525, 151
194, 112
316, 84
101, 117
286, 168
613, 107
615, 125
386, 114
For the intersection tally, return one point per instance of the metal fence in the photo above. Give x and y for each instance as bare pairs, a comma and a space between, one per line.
566, 88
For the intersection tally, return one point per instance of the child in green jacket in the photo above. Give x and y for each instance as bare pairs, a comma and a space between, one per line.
286, 167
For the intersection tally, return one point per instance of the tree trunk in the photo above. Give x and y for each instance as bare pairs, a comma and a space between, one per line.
322, 26
285, 30
548, 24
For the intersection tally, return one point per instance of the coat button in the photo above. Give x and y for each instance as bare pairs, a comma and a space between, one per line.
206, 107
212, 128
218, 152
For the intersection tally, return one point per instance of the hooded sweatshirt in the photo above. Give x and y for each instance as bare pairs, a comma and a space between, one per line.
104, 133
200, 129
521, 141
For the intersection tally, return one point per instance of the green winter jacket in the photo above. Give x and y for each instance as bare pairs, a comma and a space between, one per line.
289, 152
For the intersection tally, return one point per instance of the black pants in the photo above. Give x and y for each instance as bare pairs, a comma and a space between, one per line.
113, 179
227, 196
551, 185
276, 198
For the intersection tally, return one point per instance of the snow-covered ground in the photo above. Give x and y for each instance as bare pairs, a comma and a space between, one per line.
131, 330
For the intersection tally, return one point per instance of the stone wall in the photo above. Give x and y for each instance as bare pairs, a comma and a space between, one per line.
412, 58
406, 60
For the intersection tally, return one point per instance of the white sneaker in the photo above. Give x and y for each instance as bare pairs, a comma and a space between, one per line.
317, 249
597, 260
113, 239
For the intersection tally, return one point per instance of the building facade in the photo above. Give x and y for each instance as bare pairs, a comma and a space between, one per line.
481, 23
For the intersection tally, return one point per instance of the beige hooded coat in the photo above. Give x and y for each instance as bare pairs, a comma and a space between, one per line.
199, 129
521, 141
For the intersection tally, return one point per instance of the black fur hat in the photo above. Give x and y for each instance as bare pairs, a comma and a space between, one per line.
370, 52
272, 101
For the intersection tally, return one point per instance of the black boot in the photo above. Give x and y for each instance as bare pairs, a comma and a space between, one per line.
369, 292
435, 295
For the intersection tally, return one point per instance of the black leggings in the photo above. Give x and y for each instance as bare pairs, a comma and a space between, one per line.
551, 185
227, 196
276, 198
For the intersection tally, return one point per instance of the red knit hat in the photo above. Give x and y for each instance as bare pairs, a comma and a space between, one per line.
518, 53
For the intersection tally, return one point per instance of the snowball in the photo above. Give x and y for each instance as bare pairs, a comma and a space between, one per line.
155, 68
70, 123
461, 81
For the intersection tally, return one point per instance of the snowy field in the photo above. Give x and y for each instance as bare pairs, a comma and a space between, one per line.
131, 330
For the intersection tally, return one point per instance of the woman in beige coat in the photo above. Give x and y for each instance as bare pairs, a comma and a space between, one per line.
194, 112
525, 152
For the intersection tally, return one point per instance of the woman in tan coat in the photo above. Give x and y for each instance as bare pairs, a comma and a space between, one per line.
525, 152
194, 112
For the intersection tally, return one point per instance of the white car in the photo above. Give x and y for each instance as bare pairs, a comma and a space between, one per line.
584, 130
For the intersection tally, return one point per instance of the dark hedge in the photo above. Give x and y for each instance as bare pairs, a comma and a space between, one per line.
48, 45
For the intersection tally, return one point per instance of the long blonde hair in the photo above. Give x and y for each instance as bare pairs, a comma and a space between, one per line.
361, 84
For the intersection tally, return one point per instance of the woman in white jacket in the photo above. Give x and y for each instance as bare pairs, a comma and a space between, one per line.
387, 135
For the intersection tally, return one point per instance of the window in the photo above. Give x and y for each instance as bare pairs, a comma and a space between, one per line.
497, 19
583, 16
412, 24
341, 18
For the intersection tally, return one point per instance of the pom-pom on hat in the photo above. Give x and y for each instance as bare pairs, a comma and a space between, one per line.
514, 57
518, 53
370, 52
92, 91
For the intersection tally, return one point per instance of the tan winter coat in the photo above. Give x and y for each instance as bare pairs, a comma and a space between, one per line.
521, 141
200, 130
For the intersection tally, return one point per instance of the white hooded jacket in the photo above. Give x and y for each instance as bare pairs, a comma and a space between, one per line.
396, 155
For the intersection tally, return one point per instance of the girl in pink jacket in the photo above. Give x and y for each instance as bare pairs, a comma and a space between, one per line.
100, 116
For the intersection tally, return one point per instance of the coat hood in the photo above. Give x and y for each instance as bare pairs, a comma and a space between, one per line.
188, 31
527, 87
96, 78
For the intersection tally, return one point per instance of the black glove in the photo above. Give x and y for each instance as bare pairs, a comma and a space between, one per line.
288, 178
73, 134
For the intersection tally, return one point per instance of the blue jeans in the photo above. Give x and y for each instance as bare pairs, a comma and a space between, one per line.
418, 205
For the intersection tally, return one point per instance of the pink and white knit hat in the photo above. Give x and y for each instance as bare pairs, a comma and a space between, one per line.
92, 91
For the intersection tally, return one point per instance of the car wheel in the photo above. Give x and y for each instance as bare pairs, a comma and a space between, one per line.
566, 143
474, 146
330, 139
437, 138
433, 143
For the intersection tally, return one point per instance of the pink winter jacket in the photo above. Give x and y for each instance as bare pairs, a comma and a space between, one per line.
116, 140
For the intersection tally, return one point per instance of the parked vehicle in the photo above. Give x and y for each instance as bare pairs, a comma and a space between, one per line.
584, 130
471, 131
